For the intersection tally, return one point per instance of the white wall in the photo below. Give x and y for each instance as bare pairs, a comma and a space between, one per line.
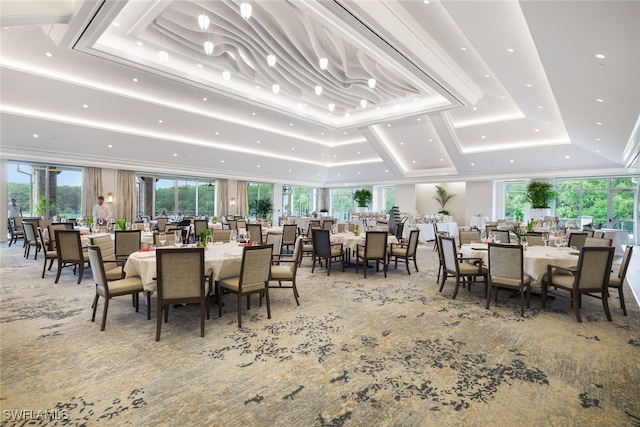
426, 204
479, 201
406, 197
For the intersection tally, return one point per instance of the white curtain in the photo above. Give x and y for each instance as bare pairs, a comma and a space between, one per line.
126, 195
222, 197
242, 199
91, 189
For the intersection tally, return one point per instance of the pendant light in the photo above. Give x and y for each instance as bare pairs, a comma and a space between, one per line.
203, 22
324, 63
245, 10
271, 60
318, 90
163, 56
372, 83
275, 88
208, 47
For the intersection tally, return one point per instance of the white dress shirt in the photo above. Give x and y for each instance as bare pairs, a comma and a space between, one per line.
101, 211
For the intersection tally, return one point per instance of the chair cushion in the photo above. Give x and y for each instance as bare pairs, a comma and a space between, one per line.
614, 281
114, 273
233, 284
512, 283
565, 280
281, 272
466, 268
399, 251
125, 286
336, 252
51, 254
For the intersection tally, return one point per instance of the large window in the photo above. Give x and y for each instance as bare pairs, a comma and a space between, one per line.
260, 198
514, 199
389, 195
44, 190
342, 203
185, 197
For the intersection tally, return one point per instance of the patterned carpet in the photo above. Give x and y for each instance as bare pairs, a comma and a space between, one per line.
374, 352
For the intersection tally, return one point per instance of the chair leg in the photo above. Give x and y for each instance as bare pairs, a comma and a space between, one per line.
104, 314
444, 277
605, 305
80, 272
266, 292
159, 321
295, 291
622, 306
489, 295
455, 291
202, 310
406, 260
148, 301
95, 307
136, 301
44, 267
219, 294
415, 264
575, 299
59, 271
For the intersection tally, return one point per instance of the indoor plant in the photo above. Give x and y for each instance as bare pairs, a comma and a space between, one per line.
363, 197
443, 196
539, 194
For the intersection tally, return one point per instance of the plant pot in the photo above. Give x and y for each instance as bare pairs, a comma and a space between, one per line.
537, 213
361, 209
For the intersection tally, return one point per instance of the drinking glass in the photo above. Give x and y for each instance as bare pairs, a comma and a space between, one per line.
483, 237
162, 237
110, 226
177, 238
146, 226
545, 238
247, 236
233, 236
127, 225
524, 240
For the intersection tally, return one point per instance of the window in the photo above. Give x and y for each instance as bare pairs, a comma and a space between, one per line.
389, 197
185, 197
514, 198
342, 203
259, 196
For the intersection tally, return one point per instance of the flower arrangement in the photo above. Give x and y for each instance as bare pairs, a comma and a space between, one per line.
203, 237
356, 229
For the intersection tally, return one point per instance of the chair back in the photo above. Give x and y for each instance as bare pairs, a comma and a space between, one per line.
69, 246
161, 222
535, 239
289, 234
171, 239
200, 225
624, 265
97, 270
107, 250
233, 224
449, 254
321, 242
44, 223
597, 241
241, 224
327, 224
255, 232
412, 244
221, 235
594, 267
588, 232
275, 239
127, 242
51, 232
577, 239
598, 233
30, 231
375, 244
469, 236
180, 273
297, 252
506, 264
16, 223
256, 266
490, 227
502, 235
399, 230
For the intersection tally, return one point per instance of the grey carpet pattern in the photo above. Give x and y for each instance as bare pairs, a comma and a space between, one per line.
358, 352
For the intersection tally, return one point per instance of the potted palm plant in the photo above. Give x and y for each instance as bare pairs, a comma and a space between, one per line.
443, 196
539, 194
362, 198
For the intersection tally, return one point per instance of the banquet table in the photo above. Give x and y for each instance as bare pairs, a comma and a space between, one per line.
223, 260
428, 231
535, 258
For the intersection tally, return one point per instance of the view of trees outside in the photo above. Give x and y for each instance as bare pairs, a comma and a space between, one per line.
514, 198
258, 191
389, 194
303, 201
342, 203
194, 198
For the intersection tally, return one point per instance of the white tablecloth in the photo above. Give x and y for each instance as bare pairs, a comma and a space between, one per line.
223, 260
619, 239
535, 258
480, 222
350, 240
427, 231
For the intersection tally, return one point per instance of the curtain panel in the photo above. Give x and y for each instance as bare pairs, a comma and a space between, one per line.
222, 198
126, 195
91, 189
242, 199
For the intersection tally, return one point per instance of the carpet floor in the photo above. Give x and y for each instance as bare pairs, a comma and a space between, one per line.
359, 352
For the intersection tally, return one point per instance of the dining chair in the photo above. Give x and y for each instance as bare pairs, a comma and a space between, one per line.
253, 278
327, 224
406, 251
49, 254
181, 280
617, 280
284, 269
15, 229
307, 242
588, 231
31, 239
126, 243
598, 233
490, 227
501, 236
289, 235
241, 224
70, 253
439, 249
534, 239
506, 271
112, 267
590, 276
255, 233
459, 267
470, 236
171, 239
221, 236
374, 249
199, 225
596, 241
108, 289
399, 232
233, 224
577, 239
324, 250
160, 223
275, 239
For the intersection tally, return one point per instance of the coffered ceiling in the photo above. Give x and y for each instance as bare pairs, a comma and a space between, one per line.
412, 91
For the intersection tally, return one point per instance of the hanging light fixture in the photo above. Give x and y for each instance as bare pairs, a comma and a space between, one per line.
332, 106
371, 83
363, 103
275, 88
226, 75
271, 60
203, 22
324, 63
318, 90
245, 10
208, 47
163, 56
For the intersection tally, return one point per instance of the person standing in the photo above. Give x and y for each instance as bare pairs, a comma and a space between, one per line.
15, 211
101, 211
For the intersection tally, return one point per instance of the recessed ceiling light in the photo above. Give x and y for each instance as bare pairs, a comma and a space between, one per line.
510, 50
291, 124
598, 139
175, 154
430, 139
539, 107
426, 1
49, 54
402, 143
258, 141
139, 43
599, 123
536, 130
358, 172
442, 160
599, 100
221, 161
258, 166
413, 162
116, 24
204, 99
253, 114
322, 154
199, 65
474, 108
483, 137
135, 80
159, 121
289, 170
338, 174
567, 157
35, 135
473, 164
358, 152
600, 56
386, 170
217, 133
85, 106
110, 146
419, 119
487, 76
293, 148
528, 85
597, 151
388, 125
463, 48
511, 161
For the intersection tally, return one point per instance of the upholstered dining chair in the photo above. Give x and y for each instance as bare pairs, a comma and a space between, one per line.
597, 241
171, 239
223, 236
324, 250
49, 254
112, 266
275, 239
14, 226
490, 227
50, 236
307, 241
470, 236
535, 239
289, 235
617, 280
31, 239
181, 280
161, 222
126, 242
70, 253
577, 239
327, 224
199, 225
506, 271
590, 276
588, 231
255, 233
108, 289
285, 268
374, 249
438, 245
254, 278
406, 251
598, 233
501, 235
459, 267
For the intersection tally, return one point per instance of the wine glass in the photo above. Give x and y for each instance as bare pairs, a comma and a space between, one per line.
483, 236
177, 238
545, 238
524, 240
146, 226
247, 236
233, 236
110, 226
162, 237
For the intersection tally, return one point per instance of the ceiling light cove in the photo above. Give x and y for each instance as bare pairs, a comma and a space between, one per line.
512, 146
